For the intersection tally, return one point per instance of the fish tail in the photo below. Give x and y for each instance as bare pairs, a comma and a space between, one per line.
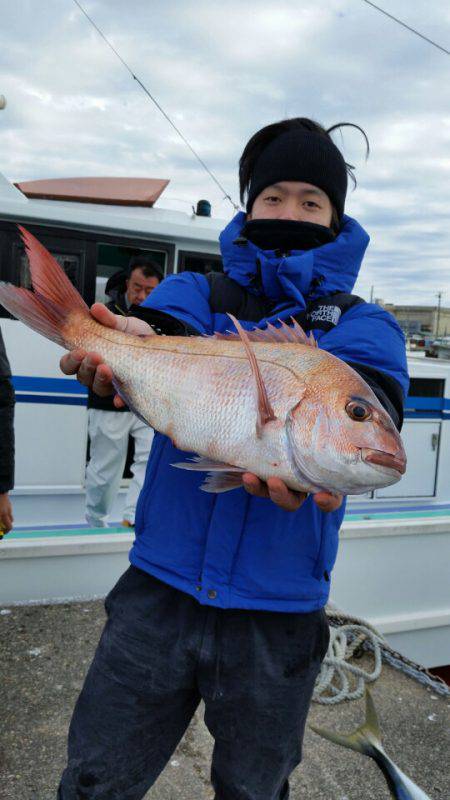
366, 739
53, 300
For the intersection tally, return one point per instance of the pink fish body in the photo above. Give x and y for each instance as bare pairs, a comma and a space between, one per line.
268, 402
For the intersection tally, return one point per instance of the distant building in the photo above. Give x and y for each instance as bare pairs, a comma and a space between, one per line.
421, 319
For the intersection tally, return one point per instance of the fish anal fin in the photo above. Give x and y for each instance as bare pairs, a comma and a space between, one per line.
265, 411
216, 482
220, 478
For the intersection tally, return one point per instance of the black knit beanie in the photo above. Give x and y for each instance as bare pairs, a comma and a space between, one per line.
301, 155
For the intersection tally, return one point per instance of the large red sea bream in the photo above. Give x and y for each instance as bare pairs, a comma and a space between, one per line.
268, 402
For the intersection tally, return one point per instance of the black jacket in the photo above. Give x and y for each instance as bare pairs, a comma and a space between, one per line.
6, 423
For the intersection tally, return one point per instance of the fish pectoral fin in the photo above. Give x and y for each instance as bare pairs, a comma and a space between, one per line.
121, 390
220, 478
265, 412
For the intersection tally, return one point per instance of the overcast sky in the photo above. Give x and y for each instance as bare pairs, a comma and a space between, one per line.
222, 71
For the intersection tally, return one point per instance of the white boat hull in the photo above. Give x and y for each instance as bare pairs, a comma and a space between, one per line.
392, 573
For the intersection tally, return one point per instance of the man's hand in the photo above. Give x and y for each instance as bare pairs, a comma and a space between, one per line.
282, 496
6, 515
89, 368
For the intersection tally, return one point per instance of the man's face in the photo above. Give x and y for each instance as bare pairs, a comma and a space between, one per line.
293, 200
139, 287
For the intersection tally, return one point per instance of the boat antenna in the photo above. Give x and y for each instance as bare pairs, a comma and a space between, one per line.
158, 106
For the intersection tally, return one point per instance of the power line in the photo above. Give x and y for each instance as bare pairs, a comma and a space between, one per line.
408, 27
158, 106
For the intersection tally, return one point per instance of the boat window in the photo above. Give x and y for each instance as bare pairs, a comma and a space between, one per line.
70, 254
199, 262
87, 259
67, 247
69, 263
426, 387
114, 259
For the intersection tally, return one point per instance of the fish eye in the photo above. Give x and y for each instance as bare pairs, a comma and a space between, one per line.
357, 411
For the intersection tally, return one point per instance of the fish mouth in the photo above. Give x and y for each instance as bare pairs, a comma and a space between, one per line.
396, 462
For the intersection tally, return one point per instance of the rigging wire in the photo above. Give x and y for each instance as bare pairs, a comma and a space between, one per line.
159, 107
408, 27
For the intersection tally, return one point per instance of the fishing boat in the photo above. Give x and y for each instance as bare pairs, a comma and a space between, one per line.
395, 541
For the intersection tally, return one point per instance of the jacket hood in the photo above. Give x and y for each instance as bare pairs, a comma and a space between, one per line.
300, 276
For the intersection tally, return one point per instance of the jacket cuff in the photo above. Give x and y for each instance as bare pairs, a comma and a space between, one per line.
162, 323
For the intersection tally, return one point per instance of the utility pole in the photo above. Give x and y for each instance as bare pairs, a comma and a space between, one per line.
438, 295
371, 293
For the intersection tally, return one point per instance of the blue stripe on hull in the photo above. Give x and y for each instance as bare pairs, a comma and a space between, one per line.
427, 404
25, 383
52, 399
427, 415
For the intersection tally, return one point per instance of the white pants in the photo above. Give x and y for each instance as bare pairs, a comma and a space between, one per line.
108, 433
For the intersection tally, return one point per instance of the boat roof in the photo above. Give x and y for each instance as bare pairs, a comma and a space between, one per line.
107, 191
113, 213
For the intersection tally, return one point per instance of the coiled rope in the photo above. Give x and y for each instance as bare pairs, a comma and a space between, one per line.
350, 637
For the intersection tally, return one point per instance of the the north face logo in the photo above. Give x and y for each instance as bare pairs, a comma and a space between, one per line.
325, 314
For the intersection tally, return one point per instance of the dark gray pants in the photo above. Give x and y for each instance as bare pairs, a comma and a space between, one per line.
160, 653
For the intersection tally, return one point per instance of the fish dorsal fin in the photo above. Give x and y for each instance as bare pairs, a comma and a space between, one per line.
265, 411
285, 334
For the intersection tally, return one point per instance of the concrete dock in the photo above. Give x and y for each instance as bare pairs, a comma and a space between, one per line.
45, 653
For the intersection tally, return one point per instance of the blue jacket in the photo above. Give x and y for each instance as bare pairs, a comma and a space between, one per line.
233, 550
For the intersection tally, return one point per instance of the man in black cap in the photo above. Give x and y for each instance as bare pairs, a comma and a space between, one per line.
225, 597
109, 427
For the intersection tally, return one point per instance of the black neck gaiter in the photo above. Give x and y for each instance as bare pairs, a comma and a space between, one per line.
286, 235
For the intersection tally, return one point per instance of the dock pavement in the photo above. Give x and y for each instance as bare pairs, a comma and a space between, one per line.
45, 651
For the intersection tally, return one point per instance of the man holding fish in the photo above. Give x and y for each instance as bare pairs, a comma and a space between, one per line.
224, 600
